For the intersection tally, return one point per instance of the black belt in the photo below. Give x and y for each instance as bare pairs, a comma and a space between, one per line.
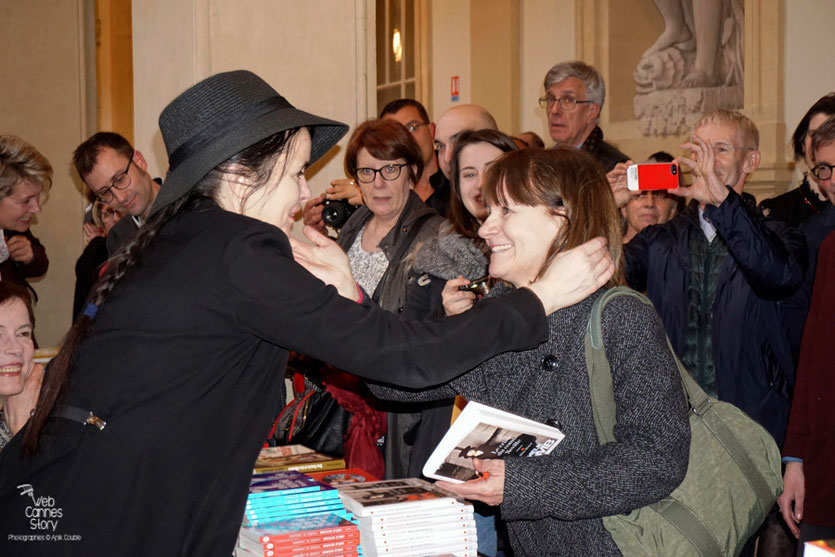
78, 415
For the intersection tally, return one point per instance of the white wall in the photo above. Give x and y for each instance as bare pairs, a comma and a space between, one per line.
450, 33
547, 37
44, 62
311, 51
810, 44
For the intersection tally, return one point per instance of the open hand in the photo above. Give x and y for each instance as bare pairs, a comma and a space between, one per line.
706, 188
489, 490
574, 275
326, 261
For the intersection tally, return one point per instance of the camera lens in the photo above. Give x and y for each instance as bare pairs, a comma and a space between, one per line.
336, 212
673, 169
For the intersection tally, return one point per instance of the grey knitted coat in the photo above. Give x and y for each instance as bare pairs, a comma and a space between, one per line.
553, 504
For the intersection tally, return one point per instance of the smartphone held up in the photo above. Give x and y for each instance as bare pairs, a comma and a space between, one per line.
653, 176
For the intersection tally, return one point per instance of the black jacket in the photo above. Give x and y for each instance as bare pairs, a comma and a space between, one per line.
185, 362
751, 354
17, 273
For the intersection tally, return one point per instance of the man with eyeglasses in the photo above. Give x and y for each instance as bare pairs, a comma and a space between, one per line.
117, 174
574, 95
814, 229
718, 272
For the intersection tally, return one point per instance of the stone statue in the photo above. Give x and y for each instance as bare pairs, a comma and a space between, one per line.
693, 67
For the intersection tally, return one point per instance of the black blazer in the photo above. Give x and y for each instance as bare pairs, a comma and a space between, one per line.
17, 273
185, 363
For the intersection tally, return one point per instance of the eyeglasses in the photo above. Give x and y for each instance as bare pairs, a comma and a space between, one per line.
389, 172
120, 182
724, 149
415, 126
823, 171
566, 103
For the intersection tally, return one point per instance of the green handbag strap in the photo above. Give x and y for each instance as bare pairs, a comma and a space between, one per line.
603, 411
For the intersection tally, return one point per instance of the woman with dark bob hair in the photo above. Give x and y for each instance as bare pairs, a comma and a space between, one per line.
385, 160
807, 199
542, 203
20, 376
153, 413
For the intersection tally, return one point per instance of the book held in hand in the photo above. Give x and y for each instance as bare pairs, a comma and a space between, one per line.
481, 431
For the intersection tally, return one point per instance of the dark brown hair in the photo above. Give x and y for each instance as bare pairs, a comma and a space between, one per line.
10, 291
462, 221
85, 155
386, 140
824, 105
824, 135
396, 105
562, 177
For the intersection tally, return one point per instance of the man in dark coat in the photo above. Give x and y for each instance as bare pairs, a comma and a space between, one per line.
574, 95
716, 273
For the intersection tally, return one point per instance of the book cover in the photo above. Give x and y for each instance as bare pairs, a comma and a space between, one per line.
453, 513
311, 497
821, 548
301, 527
347, 476
485, 432
284, 514
284, 483
272, 460
345, 545
394, 496
277, 510
395, 538
466, 548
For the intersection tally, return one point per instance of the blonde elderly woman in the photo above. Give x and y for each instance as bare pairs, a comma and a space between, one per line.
24, 175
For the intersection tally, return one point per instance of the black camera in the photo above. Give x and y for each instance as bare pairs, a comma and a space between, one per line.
336, 212
480, 287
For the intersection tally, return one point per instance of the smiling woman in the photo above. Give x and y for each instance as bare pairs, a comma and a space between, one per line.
24, 175
542, 203
20, 378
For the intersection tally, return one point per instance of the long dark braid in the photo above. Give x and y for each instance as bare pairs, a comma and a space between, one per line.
57, 379
255, 163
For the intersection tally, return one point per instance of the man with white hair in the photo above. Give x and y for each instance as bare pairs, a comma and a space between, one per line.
717, 272
574, 95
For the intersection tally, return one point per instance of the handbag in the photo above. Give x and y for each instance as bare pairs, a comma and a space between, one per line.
313, 419
733, 476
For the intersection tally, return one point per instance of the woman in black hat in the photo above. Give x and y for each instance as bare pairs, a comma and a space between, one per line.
153, 413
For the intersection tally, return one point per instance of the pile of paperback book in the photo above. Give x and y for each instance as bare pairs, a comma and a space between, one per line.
410, 517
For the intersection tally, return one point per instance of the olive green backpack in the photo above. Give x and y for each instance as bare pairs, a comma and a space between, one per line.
733, 475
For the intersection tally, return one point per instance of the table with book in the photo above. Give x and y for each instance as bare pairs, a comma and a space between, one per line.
304, 503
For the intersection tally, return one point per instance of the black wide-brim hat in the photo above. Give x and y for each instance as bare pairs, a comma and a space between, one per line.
223, 115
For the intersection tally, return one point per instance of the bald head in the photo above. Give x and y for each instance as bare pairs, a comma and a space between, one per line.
454, 121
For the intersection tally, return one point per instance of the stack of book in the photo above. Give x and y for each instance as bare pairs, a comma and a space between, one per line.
287, 494
328, 534
295, 457
410, 517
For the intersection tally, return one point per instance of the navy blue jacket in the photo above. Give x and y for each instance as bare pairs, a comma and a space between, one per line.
751, 354
795, 309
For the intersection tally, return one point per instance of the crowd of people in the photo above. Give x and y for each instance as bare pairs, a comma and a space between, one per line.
190, 294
